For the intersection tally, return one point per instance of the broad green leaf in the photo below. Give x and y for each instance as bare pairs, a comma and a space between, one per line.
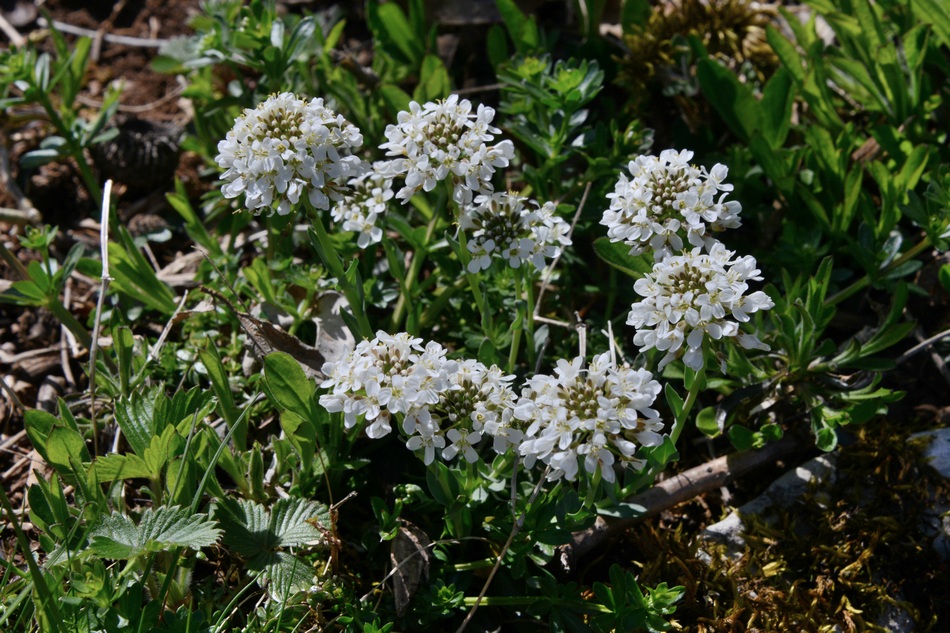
288, 384
708, 422
114, 467
161, 529
522, 28
250, 528
283, 574
39, 424
66, 450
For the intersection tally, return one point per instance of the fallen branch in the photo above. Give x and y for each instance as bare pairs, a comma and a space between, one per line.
670, 492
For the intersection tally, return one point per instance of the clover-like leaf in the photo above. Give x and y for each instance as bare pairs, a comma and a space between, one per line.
164, 528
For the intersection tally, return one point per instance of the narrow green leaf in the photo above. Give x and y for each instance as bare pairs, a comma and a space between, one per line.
618, 255
732, 99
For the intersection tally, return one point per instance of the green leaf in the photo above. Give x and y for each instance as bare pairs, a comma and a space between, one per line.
434, 82
282, 574
618, 255
66, 450
776, 107
394, 97
250, 528
136, 417
193, 225
288, 384
113, 467
162, 529
522, 28
674, 401
741, 437
222, 389
708, 421
937, 14
134, 275
390, 26
732, 99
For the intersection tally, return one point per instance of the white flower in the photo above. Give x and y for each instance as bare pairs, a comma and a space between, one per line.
286, 148
435, 397
444, 139
502, 226
666, 200
363, 204
694, 295
597, 413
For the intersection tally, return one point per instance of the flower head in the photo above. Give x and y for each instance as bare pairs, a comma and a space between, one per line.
436, 398
601, 413
666, 200
444, 139
285, 148
503, 226
694, 295
363, 204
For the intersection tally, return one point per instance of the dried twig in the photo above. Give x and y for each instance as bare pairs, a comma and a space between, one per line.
124, 40
675, 490
12, 34
515, 529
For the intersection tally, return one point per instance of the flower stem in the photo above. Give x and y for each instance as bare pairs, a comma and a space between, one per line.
415, 267
694, 389
351, 287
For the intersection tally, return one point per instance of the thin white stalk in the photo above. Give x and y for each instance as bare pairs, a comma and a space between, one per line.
94, 347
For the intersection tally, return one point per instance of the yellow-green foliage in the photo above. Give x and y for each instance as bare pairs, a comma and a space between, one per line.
731, 30
841, 556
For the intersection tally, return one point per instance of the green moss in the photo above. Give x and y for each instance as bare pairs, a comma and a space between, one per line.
843, 555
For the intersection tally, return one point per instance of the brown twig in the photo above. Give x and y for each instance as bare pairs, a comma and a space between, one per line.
675, 490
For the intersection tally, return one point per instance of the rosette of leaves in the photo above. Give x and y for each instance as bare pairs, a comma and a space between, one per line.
732, 31
263, 537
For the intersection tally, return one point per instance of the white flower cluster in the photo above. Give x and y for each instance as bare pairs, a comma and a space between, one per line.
444, 404
666, 199
363, 205
444, 139
595, 414
692, 295
503, 226
287, 147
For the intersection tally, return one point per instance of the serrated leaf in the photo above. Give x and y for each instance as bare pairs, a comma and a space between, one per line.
161, 529
136, 417
282, 574
251, 528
